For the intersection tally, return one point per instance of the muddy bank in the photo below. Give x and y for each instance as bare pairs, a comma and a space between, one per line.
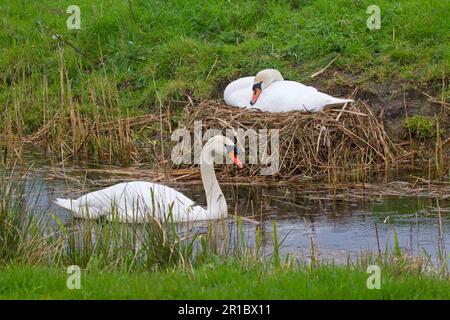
393, 101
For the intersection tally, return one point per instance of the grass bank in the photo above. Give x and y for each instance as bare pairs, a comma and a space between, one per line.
193, 47
218, 280
96, 92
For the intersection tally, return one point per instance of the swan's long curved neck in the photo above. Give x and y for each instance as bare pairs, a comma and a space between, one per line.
216, 204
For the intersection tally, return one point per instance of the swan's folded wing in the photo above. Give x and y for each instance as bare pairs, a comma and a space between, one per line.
239, 92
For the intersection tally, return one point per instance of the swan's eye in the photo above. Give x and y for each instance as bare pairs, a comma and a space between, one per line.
257, 86
231, 148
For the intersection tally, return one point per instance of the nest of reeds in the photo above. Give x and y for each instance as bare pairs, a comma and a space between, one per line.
349, 140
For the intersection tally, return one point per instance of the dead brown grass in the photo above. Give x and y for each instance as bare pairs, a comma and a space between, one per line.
348, 141
338, 144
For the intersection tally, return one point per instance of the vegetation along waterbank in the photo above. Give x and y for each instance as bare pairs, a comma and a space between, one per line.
114, 91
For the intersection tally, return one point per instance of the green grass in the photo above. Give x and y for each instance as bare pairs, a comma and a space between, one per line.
195, 48
421, 127
218, 281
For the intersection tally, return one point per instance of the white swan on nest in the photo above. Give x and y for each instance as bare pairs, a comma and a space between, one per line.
268, 91
138, 201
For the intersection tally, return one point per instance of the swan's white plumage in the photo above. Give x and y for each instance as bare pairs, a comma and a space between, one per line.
135, 202
140, 201
279, 96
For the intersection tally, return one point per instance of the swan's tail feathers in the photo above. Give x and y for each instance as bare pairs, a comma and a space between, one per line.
340, 101
65, 203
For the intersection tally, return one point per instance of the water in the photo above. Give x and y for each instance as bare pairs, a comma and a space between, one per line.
340, 222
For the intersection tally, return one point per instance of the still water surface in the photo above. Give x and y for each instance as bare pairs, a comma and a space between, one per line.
341, 227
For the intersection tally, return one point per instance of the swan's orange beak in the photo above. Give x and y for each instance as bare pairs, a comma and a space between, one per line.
256, 93
232, 155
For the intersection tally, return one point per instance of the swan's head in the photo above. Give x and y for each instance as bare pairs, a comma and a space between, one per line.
219, 146
263, 79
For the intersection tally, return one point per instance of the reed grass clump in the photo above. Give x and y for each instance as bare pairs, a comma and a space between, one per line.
24, 237
28, 237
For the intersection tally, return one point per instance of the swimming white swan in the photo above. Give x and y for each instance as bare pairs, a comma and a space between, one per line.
137, 201
268, 91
